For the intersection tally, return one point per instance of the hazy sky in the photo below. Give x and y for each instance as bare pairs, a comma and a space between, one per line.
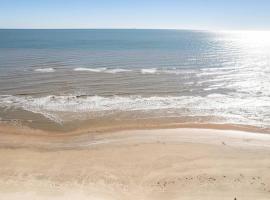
179, 14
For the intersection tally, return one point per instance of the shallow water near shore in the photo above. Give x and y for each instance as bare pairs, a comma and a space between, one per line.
59, 79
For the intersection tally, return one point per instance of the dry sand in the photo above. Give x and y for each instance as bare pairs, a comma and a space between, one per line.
141, 164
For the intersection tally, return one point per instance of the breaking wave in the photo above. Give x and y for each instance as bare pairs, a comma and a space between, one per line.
149, 71
45, 70
103, 70
228, 108
142, 71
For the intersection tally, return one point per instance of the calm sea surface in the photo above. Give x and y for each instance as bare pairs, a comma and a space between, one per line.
62, 76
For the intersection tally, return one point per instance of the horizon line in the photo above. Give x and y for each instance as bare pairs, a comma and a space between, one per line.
108, 28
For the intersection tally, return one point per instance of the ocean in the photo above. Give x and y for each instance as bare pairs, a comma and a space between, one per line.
65, 79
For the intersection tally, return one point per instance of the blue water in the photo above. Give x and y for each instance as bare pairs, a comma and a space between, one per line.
111, 48
220, 77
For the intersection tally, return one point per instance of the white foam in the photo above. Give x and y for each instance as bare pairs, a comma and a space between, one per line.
142, 71
117, 70
103, 70
167, 71
45, 70
90, 69
232, 109
149, 71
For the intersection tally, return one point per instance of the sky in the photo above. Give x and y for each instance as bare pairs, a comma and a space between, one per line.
152, 14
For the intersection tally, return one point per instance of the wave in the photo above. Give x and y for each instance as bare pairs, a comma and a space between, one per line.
45, 70
167, 71
90, 69
149, 71
102, 70
66, 108
142, 71
117, 70
58, 108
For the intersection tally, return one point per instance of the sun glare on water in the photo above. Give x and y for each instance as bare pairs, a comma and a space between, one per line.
257, 38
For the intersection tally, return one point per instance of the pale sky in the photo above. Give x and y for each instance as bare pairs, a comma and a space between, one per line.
172, 14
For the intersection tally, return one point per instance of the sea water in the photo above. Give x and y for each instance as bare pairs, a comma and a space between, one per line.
197, 76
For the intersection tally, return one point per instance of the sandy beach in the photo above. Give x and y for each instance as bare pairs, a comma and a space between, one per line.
180, 163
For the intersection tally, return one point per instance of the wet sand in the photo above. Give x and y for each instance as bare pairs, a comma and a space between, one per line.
183, 163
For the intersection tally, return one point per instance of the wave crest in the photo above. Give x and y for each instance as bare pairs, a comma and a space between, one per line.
102, 70
66, 108
45, 70
149, 71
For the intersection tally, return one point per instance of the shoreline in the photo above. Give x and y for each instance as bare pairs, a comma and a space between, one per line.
148, 164
109, 127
